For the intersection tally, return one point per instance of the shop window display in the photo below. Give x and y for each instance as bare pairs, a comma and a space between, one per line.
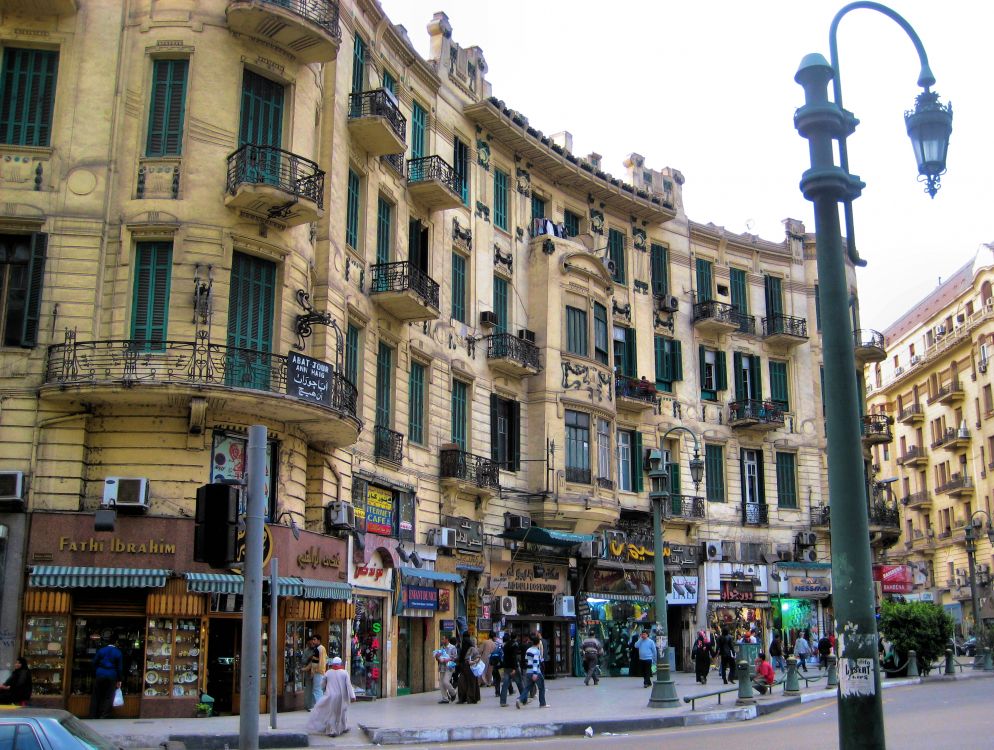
615, 623
172, 658
45, 647
91, 633
367, 644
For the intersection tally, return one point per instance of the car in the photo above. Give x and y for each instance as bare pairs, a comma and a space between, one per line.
48, 729
965, 648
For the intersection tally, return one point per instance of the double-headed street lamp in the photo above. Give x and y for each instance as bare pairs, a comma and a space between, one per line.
825, 124
972, 534
663, 690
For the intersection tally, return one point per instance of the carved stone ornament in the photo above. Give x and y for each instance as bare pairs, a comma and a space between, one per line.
575, 376
500, 259
596, 221
483, 154
459, 234
483, 211
523, 181
622, 311
638, 239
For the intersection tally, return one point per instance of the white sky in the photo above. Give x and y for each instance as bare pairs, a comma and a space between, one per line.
707, 87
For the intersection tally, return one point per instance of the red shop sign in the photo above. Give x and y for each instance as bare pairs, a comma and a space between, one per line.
737, 591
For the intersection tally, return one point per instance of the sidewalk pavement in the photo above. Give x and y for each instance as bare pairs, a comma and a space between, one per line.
617, 705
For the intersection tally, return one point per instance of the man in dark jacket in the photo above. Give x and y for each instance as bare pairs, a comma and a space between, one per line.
726, 650
511, 664
824, 650
108, 671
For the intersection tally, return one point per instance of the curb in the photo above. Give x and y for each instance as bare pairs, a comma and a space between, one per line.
227, 741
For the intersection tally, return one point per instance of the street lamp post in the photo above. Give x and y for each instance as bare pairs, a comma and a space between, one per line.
824, 124
663, 689
971, 558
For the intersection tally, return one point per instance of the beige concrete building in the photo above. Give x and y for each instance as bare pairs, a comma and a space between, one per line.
935, 386
462, 337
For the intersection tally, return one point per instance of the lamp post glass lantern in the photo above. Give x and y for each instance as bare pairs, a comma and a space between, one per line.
826, 124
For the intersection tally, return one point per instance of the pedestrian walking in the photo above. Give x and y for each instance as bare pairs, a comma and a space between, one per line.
512, 668
446, 657
487, 647
765, 676
824, 649
647, 657
702, 653
592, 650
634, 669
726, 653
802, 650
331, 713
315, 669
776, 653
533, 673
468, 683
496, 659
108, 672
17, 688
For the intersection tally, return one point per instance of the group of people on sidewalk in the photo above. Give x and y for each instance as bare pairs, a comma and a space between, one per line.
330, 691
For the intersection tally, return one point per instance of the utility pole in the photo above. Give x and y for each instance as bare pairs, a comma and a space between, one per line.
251, 651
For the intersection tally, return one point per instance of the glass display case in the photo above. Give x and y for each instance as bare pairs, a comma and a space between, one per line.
294, 659
46, 646
172, 658
127, 633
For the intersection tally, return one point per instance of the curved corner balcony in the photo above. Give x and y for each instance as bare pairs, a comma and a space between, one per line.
877, 429
512, 355
757, 415
433, 183
785, 330
714, 317
376, 123
685, 509
404, 291
271, 183
131, 373
467, 471
635, 395
869, 346
305, 29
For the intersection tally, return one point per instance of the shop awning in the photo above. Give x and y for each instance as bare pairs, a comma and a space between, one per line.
804, 565
71, 577
638, 598
231, 583
430, 575
548, 537
315, 589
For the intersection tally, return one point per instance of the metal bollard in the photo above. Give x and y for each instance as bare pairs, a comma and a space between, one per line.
950, 666
791, 685
988, 662
913, 664
833, 672
745, 684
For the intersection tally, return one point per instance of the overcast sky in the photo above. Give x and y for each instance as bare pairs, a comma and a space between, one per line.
707, 87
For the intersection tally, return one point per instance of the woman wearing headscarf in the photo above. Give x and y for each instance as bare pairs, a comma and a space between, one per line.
702, 654
468, 685
17, 689
331, 713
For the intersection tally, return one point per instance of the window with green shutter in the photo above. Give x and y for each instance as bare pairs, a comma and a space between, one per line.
669, 363
460, 165
738, 289
352, 211
748, 380
576, 331
22, 273
616, 252
150, 311
505, 432
459, 287
416, 404
460, 405
500, 305
358, 64
389, 82
817, 308
500, 199
419, 128
600, 333
538, 207
384, 229
250, 322
773, 287
571, 223
779, 387
261, 121
703, 272
714, 473
712, 372
786, 480
166, 109
384, 386
578, 447
27, 96
625, 352
352, 358
659, 260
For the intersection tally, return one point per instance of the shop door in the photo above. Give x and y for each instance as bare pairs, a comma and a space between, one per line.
367, 642
221, 653
128, 634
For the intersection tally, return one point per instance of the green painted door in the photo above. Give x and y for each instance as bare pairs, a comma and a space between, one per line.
261, 125
250, 324
500, 305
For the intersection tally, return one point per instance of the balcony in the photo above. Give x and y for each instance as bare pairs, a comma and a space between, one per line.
376, 123
512, 355
820, 517
869, 346
304, 29
271, 183
713, 317
686, 509
920, 500
395, 162
578, 475
468, 471
912, 415
784, 330
757, 415
876, 429
39, 7
635, 395
433, 183
913, 456
958, 485
404, 291
755, 514
129, 373
950, 393
388, 445
885, 522
953, 439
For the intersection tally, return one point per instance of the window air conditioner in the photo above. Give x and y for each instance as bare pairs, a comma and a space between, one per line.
513, 522
590, 550
488, 319
445, 537
669, 304
338, 516
525, 335
508, 605
565, 606
712, 551
126, 493
807, 539
11, 485
808, 555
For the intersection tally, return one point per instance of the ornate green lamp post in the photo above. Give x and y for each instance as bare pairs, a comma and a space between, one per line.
663, 690
825, 124
972, 534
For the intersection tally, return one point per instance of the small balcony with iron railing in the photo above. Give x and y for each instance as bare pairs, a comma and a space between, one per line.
635, 395
404, 291
911, 415
306, 30
958, 485
755, 514
948, 393
376, 122
713, 317
877, 429
885, 523
913, 456
953, 438
396, 162
467, 471
685, 510
869, 346
578, 474
512, 355
271, 183
920, 500
433, 183
785, 330
388, 445
820, 517
755, 415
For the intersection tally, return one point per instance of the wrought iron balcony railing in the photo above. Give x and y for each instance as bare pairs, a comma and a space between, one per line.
885, 514
955, 482
916, 499
952, 435
268, 165
468, 467
429, 168
688, 507
765, 412
714, 310
635, 389
877, 426
402, 276
821, 515
323, 13
509, 346
949, 390
755, 514
787, 325
912, 453
578, 474
910, 413
389, 444
379, 103
867, 338
396, 162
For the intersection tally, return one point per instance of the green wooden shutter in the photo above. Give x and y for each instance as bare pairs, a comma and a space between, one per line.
722, 371
262, 111
576, 331
676, 489
496, 446
250, 322
500, 199
786, 481
755, 369
714, 473
571, 223
165, 117
662, 364
389, 82
737, 284
416, 390
514, 436
817, 308
500, 305
35, 284
384, 229
703, 280
660, 270
600, 333
676, 359
417, 244
460, 159
358, 64
27, 96
779, 390
638, 465
742, 481
352, 212
458, 287
459, 399
760, 481
419, 125
774, 297
352, 354
702, 364
384, 378
631, 354
538, 207
740, 391
616, 251
150, 313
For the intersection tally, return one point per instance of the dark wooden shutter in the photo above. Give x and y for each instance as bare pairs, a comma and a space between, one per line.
631, 354
262, 111
384, 229
660, 270
759, 477
756, 370
722, 374
150, 315
27, 96
358, 64
737, 284
740, 391
500, 305
702, 363
165, 119
250, 321
514, 436
36, 279
638, 465
417, 242
495, 446
384, 376
419, 124
703, 280
774, 296
743, 483
676, 359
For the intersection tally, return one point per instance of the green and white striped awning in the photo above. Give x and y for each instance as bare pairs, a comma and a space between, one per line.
638, 598
231, 583
72, 577
315, 589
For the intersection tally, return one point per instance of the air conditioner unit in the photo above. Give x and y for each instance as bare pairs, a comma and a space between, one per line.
590, 550
525, 335
940, 330
488, 319
807, 539
339, 515
785, 554
808, 555
126, 493
508, 605
960, 318
565, 606
445, 537
750, 570
982, 365
898, 371
712, 551
915, 359
610, 266
513, 522
668, 304
11, 485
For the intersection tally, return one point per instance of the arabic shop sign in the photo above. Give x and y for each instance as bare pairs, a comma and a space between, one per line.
308, 379
313, 557
379, 511
533, 577
738, 591
809, 588
609, 581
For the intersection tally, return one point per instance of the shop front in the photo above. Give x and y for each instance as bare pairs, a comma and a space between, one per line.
802, 600
369, 652
425, 598
617, 604
738, 599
